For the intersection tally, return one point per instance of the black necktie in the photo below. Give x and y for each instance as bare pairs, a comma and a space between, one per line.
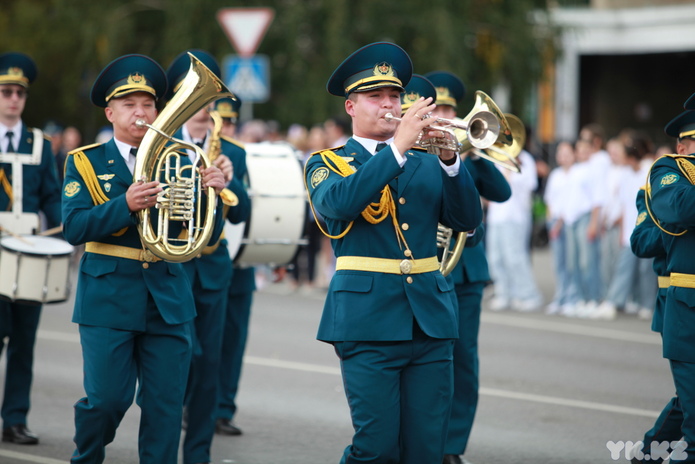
131, 160
10, 147
380, 146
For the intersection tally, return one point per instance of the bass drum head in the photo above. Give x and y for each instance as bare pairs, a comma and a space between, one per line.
275, 226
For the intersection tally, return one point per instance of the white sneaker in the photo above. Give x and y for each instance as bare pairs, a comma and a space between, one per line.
568, 310
605, 311
631, 307
586, 309
525, 306
553, 308
498, 304
645, 314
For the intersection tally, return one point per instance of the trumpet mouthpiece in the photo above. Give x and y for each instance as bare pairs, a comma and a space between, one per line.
389, 117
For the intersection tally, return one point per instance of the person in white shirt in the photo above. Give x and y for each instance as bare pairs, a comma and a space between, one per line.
580, 215
632, 276
555, 198
508, 239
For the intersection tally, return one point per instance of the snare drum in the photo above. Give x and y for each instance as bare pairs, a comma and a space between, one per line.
35, 269
275, 226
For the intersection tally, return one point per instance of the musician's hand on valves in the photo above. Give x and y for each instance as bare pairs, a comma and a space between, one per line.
226, 166
141, 195
412, 123
213, 177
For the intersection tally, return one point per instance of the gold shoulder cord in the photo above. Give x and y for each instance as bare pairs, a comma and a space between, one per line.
688, 171
5, 182
374, 213
86, 170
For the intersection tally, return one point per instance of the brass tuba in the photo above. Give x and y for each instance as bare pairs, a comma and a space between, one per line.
159, 158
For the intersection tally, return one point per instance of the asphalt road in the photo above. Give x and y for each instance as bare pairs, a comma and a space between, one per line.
553, 390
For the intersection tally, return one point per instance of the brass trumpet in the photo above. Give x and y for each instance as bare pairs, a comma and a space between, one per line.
479, 129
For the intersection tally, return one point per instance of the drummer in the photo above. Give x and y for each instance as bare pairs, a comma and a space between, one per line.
41, 193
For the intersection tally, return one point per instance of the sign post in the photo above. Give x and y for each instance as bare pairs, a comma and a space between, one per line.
247, 75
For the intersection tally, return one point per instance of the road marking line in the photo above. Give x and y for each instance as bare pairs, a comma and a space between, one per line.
267, 362
567, 402
30, 458
650, 338
506, 320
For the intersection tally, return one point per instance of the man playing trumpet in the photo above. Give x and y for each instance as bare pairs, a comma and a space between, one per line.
389, 312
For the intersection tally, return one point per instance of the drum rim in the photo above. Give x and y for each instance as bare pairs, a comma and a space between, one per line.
41, 253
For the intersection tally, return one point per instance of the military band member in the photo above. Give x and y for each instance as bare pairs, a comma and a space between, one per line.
389, 311
469, 276
133, 309
40, 193
647, 241
240, 297
670, 199
210, 275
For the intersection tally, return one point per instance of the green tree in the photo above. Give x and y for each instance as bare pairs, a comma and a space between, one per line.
486, 42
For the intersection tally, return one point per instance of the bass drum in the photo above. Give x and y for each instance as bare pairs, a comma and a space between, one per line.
275, 226
35, 269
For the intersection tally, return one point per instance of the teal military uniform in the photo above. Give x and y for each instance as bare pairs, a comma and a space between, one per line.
646, 242
40, 193
671, 199
239, 300
470, 277
133, 313
210, 275
389, 311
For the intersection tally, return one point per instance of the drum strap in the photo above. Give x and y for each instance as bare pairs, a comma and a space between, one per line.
374, 213
86, 170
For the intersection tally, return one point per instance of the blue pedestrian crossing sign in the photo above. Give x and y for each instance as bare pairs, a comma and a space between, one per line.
248, 77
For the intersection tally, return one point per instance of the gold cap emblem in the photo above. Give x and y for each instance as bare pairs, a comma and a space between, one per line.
383, 69
136, 79
15, 71
410, 98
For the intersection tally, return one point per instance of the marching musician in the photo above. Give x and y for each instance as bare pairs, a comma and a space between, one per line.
470, 275
133, 309
40, 192
210, 273
240, 296
389, 312
648, 241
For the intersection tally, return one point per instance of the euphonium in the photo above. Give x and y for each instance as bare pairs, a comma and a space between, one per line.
159, 158
449, 257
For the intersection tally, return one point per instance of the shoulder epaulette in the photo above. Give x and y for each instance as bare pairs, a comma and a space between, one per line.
85, 148
328, 149
233, 141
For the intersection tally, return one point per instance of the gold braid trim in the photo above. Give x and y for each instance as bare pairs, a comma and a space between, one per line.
374, 213
688, 171
7, 187
86, 170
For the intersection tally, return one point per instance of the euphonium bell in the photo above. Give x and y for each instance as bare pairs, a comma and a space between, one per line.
160, 158
506, 154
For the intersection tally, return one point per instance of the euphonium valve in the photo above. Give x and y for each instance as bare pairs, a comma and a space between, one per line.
161, 157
